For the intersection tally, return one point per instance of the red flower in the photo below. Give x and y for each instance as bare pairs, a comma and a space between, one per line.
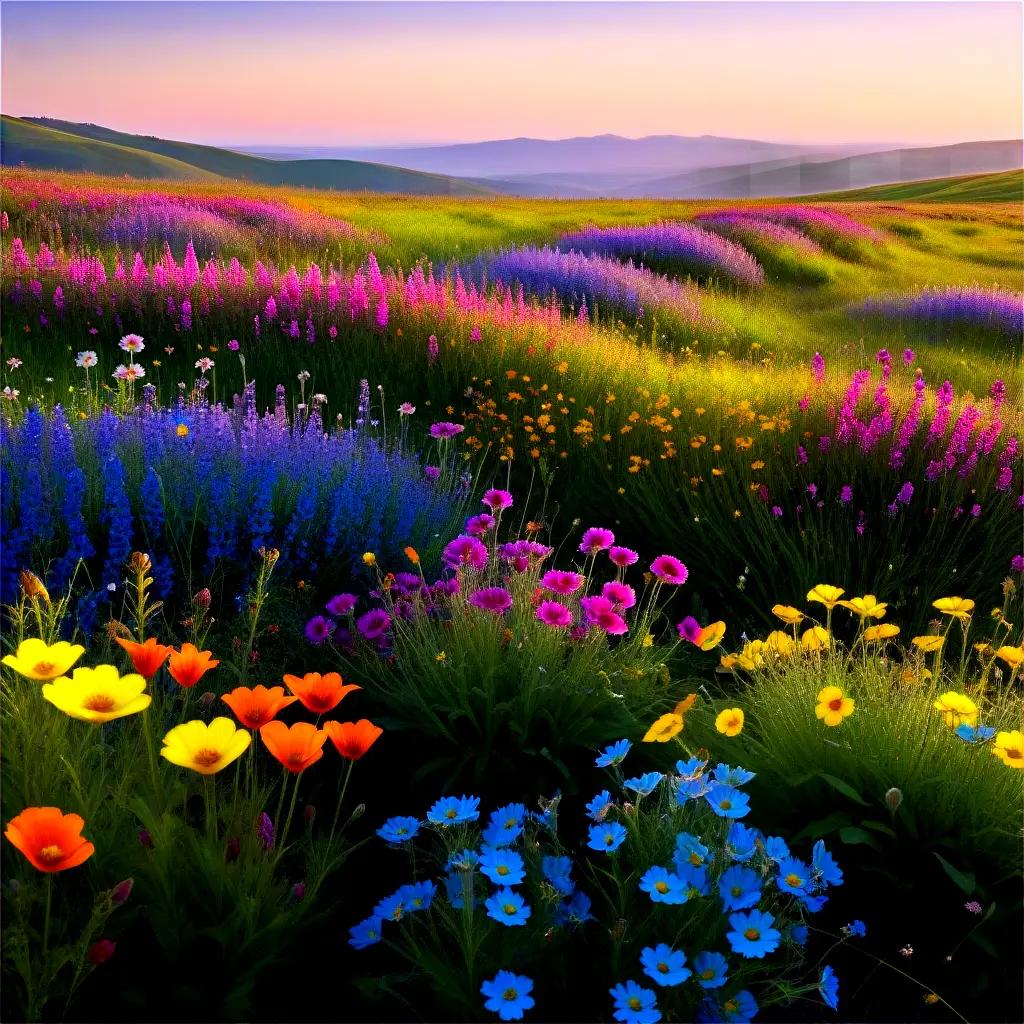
352, 739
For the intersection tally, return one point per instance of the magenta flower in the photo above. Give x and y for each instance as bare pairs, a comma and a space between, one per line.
818, 367
341, 604
600, 612
553, 614
559, 581
497, 500
596, 539
319, 629
479, 526
432, 473
905, 494
908, 356
374, 623
689, 629
445, 430
621, 595
777, 511
669, 569
233, 345
465, 551
622, 557
845, 494
1017, 563
496, 600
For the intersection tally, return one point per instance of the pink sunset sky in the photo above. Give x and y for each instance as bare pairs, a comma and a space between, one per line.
379, 73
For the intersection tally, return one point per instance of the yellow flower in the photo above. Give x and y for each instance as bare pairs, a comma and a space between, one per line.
832, 706
685, 704
1009, 748
729, 661
181, 430
369, 558
789, 615
37, 660
815, 639
957, 708
781, 643
648, 640
730, 722
876, 634
957, 607
867, 607
98, 694
33, 586
440, 657
827, 595
711, 636
205, 748
1013, 656
664, 729
928, 643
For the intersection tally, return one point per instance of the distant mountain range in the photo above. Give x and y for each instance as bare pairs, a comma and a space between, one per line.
665, 166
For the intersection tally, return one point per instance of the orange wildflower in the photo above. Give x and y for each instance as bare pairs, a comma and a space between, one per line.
319, 693
189, 665
50, 839
148, 657
297, 747
255, 707
353, 739
413, 555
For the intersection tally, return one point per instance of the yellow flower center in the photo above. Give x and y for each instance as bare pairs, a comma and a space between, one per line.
663, 968
752, 934
634, 1003
99, 702
730, 1006
44, 668
661, 886
502, 869
795, 881
708, 974
451, 813
50, 854
206, 757
695, 860
509, 908
726, 805
510, 994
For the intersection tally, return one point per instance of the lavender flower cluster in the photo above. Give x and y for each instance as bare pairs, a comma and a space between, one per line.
994, 308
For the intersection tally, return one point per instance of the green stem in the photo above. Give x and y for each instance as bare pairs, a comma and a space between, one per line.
46, 917
341, 797
288, 820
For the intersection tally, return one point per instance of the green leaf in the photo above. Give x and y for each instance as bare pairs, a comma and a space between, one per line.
853, 835
878, 826
823, 826
964, 879
845, 788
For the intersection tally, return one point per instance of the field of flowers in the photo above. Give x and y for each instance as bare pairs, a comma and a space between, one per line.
659, 563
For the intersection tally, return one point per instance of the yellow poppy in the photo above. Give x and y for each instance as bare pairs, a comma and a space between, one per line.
789, 615
729, 661
827, 595
43, 662
928, 644
815, 639
98, 694
867, 607
957, 708
833, 706
369, 558
957, 607
730, 721
685, 704
885, 631
205, 748
1013, 656
664, 729
711, 636
1009, 748
781, 643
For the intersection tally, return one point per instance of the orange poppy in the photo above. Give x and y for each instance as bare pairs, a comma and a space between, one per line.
297, 747
50, 839
148, 657
353, 739
319, 693
257, 706
189, 665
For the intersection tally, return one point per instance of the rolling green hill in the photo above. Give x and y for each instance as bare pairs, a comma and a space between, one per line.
62, 145
999, 187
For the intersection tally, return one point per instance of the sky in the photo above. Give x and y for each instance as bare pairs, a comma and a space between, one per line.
344, 74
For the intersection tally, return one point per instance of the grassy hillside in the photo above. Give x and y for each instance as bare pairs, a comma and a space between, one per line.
1000, 187
62, 145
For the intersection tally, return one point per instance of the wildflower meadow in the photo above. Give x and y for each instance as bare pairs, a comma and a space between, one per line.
423, 607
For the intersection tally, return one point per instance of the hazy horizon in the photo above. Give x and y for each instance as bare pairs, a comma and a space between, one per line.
396, 75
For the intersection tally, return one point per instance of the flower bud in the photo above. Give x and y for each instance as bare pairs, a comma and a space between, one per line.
120, 893
298, 891
145, 838
893, 799
100, 952
33, 586
140, 562
203, 598
232, 850
207, 699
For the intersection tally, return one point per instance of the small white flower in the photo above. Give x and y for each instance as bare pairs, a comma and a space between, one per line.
86, 359
14, 362
111, 587
11, 393
204, 364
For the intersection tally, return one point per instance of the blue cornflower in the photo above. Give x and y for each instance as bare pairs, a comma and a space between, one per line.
690, 850
739, 888
694, 879
691, 769
828, 986
741, 842
811, 903
665, 965
464, 861
635, 1005
974, 734
794, 876
798, 934
752, 933
502, 867
575, 910
508, 907
459, 884
417, 896
644, 785
728, 802
663, 886
613, 754
508, 995
776, 848
454, 810
598, 807
393, 907
740, 1009
505, 826
557, 871
710, 969
857, 928
606, 837
692, 789
399, 830
729, 776
826, 869
366, 933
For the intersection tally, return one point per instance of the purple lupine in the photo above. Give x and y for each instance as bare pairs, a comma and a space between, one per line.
265, 831
990, 308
